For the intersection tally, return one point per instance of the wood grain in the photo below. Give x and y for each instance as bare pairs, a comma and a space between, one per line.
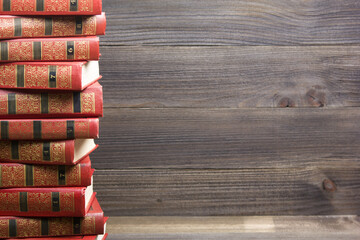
232, 22
237, 77
228, 138
185, 192
271, 227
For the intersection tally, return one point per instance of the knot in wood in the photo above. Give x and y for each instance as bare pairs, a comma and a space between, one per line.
286, 102
329, 185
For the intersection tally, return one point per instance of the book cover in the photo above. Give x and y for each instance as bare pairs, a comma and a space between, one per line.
15, 175
46, 202
92, 224
49, 129
69, 76
50, 7
51, 26
20, 103
49, 49
66, 152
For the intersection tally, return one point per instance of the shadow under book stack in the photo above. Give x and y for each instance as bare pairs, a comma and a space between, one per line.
50, 104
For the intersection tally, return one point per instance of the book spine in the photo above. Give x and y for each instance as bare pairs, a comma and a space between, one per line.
48, 49
42, 202
51, 26
49, 129
37, 152
16, 227
41, 76
20, 175
50, 7
25, 104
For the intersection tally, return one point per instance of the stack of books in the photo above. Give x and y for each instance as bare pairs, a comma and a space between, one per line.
50, 104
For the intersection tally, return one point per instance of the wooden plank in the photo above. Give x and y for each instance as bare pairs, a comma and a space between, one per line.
228, 138
232, 22
237, 77
185, 192
264, 227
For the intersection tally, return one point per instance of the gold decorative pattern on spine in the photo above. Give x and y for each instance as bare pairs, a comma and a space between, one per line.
7, 27
4, 228
73, 175
9, 202
3, 104
56, 6
88, 225
39, 202
57, 152
45, 175
28, 227
53, 50
64, 26
20, 51
87, 102
53, 130
82, 50
5, 150
25, 132
67, 202
60, 226
61, 103
23, 5
36, 76
28, 103
64, 77
82, 129
85, 5
30, 151
89, 25
33, 27
8, 75
13, 176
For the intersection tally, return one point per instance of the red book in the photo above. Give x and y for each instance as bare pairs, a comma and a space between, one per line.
20, 103
50, 7
67, 152
15, 175
51, 26
46, 202
91, 237
74, 76
92, 224
49, 129
49, 49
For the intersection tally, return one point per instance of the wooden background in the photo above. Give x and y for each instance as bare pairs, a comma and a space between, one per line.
233, 107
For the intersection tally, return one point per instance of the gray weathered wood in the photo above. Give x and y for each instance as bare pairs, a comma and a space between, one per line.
228, 138
232, 22
185, 192
263, 227
237, 77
